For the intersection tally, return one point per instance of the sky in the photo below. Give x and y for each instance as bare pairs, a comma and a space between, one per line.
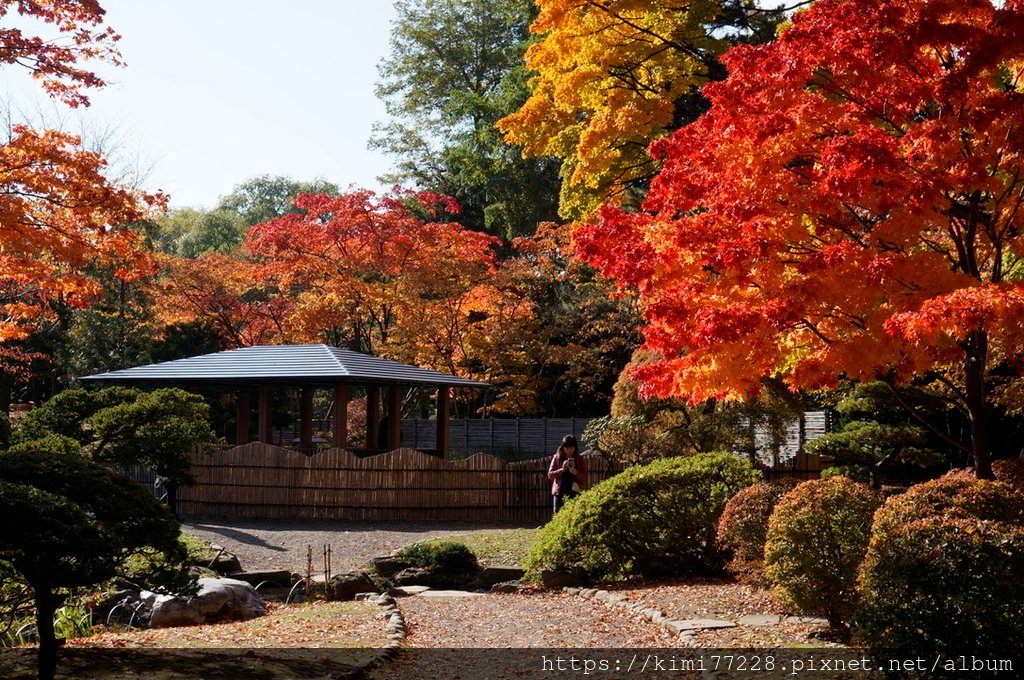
218, 91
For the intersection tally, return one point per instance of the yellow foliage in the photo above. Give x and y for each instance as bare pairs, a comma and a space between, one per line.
609, 76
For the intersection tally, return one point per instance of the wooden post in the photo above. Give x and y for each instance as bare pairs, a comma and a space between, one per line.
394, 418
242, 418
340, 417
444, 440
266, 422
306, 418
372, 416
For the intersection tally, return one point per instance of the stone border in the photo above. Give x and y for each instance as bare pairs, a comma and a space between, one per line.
686, 630
396, 630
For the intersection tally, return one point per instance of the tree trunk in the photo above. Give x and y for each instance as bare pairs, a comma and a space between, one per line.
46, 606
975, 361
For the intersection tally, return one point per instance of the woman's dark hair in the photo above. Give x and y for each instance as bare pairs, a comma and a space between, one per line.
568, 440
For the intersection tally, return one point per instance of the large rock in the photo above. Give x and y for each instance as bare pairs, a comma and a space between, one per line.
388, 565
218, 599
498, 574
280, 577
347, 586
225, 563
560, 579
411, 576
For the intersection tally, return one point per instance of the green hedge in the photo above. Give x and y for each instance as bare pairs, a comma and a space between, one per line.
817, 537
650, 520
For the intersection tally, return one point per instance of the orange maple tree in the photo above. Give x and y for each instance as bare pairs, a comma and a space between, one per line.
224, 291
850, 205
387, 274
58, 213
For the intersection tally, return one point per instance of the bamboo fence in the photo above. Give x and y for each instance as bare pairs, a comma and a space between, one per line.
259, 480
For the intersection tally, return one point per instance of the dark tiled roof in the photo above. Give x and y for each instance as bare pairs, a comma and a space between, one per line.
307, 364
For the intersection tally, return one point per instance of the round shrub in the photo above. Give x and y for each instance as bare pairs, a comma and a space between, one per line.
817, 537
650, 520
944, 572
440, 556
743, 527
1010, 471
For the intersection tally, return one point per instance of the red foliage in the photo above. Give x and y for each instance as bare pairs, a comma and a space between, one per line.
851, 204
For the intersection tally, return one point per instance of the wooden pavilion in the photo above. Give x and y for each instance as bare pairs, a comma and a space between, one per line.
307, 368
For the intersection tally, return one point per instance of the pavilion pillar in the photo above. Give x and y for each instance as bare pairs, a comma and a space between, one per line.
266, 420
306, 418
394, 418
340, 416
242, 418
372, 416
444, 410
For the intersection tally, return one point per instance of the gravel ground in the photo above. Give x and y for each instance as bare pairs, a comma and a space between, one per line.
266, 544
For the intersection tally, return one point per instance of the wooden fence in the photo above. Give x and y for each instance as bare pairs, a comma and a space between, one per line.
263, 481
506, 437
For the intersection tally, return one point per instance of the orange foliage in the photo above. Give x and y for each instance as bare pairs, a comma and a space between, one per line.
227, 293
850, 205
57, 210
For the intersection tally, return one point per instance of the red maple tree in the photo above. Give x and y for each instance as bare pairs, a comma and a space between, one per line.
851, 205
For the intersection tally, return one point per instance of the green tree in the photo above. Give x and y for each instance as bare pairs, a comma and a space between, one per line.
456, 68
880, 439
68, 523
190, 232
268, 197
123, 426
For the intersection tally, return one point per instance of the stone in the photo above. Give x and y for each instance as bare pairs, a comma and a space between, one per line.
499, 574
411, 576
560, 579
124, 596
806, 619
674, 627
760, 620
704, 624
369, 597
224, 563
449, 593
280, 577
347, 586
218, 599
509, 587
407, 591
388, 565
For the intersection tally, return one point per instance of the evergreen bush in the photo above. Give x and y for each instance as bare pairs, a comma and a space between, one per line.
650, 520
817, 537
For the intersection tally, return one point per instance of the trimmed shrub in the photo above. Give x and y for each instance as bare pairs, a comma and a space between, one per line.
440, 556
817, 537
1010, 471
743, 527
650, 520
944, 572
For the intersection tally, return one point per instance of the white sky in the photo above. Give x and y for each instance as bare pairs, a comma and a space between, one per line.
218, 91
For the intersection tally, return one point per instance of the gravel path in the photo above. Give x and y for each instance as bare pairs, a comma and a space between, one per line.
264, 544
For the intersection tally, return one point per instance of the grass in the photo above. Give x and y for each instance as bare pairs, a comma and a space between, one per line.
496, 546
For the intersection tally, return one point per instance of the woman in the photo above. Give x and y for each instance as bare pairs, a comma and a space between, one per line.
568, 472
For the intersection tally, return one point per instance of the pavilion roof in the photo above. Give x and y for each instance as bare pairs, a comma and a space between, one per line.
292, 364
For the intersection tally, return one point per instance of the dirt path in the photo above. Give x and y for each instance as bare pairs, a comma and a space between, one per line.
263, 545
509, 636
